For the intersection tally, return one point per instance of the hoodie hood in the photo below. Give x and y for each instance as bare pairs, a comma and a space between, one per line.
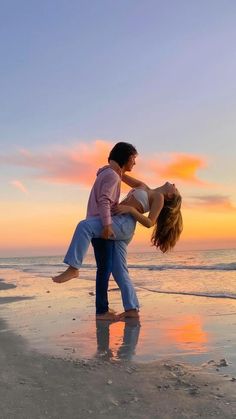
103, 168
108, 167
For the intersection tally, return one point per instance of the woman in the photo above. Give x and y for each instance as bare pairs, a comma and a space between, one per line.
162, 203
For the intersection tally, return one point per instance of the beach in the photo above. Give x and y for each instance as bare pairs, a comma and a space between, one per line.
118, 121
57, 361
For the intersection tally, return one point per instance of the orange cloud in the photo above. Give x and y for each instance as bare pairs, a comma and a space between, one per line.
182, 166
78, 164
19, 185
218, 203
64, 165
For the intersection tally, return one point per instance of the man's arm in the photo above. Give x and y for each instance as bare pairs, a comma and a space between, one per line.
107, 195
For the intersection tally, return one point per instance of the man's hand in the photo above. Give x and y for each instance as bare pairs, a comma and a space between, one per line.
107, 232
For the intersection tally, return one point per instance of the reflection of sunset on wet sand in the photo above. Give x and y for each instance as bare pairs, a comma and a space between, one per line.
61, 321
175, 334
187, 333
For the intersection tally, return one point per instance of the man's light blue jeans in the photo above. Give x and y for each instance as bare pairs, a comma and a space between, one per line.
123, 227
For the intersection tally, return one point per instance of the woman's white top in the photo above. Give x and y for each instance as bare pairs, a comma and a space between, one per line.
141, 196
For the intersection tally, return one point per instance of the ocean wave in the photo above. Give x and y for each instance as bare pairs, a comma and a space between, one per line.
33, 267
215, 267
37, 266
193, 293
25, 265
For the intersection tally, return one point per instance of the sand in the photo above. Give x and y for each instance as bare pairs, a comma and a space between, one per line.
54, 380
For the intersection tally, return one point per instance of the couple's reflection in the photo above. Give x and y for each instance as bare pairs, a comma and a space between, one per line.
117, 340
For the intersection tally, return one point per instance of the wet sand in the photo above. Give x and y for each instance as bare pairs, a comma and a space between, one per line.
56, 361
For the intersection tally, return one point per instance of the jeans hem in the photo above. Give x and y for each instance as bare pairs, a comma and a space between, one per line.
73, 265
131, 308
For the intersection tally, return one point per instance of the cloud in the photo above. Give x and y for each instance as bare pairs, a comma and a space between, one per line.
19, 185
216, 203
179, 166
77, 164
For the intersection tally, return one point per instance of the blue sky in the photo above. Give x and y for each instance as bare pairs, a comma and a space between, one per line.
158, 73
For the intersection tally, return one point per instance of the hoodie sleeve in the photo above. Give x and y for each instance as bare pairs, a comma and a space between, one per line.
108, 196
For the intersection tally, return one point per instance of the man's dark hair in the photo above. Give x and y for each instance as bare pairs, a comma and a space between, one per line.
121, 153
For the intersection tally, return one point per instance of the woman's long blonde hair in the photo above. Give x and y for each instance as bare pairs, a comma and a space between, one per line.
169, 225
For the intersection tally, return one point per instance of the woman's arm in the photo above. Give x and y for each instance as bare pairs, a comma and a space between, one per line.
146, 221
132, 182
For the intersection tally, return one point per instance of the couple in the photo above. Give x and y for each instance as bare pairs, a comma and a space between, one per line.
114, 222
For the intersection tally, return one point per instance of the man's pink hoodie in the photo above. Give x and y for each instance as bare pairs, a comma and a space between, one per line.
104, 194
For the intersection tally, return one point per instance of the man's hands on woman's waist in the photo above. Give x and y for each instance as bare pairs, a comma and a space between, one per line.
107, 232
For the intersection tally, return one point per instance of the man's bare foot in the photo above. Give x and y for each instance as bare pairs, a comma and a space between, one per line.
133, 313
107, 316
111, 311
69, 273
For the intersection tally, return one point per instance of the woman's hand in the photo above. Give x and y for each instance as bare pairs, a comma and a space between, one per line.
122, 209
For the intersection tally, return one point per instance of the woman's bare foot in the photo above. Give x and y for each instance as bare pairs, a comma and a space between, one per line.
69, 273
107, 316
133, 313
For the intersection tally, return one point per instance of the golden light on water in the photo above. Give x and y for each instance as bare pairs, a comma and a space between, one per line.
187, 333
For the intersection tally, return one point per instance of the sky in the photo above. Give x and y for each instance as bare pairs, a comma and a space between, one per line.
79, 76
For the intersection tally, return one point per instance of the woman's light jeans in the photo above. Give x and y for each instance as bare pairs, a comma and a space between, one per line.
123, 227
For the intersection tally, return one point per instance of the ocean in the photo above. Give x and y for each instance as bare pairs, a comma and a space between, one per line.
187, 298
203, 273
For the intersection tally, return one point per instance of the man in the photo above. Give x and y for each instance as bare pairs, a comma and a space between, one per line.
110, 255
103, 198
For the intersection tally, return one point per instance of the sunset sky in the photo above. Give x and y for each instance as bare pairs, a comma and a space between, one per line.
78, 76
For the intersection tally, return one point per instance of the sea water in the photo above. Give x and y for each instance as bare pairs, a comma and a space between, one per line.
188, 309
203, 273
